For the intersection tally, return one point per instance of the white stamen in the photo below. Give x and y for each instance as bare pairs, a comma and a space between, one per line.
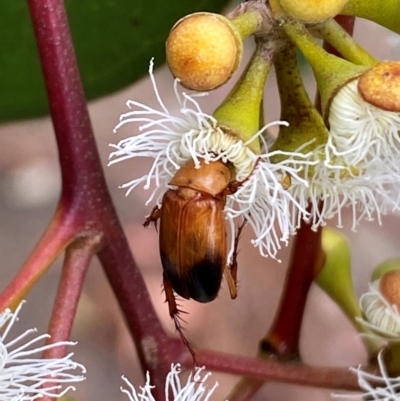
26, 377
195, 388
361, 132
333, 187
193, 135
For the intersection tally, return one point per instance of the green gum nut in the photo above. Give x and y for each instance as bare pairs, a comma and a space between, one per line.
305, 123
239, 114
385, 13
331, 72
335, 277
336, 280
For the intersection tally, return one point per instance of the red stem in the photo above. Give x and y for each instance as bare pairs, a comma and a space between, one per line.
76, 263
55, 239
346, 22
283, 338
84, 193
318, 376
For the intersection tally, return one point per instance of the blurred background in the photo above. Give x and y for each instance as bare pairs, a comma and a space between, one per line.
29, 190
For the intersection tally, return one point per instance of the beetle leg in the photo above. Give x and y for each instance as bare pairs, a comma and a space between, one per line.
231, 270
153, 217
232, 283
174, 313
235, 185
232, 187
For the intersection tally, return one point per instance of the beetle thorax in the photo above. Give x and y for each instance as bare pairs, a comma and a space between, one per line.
210, 178
186, 193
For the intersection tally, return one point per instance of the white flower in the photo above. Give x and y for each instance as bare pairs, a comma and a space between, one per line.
376, 387
359, 166
23, 376
173, 140
368, 190
379, 315
361, 133
195, 388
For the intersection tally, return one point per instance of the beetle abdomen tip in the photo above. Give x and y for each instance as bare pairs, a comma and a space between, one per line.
201, 283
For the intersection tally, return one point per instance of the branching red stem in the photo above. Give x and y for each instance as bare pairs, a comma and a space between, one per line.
76, 263
284, 372
55, 239
77, 258
85, 198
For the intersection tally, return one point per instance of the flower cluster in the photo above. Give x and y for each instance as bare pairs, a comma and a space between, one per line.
356, 168
26, 377
171, 141
195, 388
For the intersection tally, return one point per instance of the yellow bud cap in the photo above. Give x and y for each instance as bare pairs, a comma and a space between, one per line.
203, 51
389, 286
312, 10
380, 86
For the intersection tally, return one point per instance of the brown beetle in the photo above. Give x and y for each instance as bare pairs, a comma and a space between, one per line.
193, 243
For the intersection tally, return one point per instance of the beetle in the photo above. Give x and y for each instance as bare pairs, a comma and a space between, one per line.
192, 232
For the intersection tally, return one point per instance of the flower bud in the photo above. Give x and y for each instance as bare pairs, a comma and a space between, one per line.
380, 86
380, 316
312, 10
380, 305
203, 51
389, 285
335, 277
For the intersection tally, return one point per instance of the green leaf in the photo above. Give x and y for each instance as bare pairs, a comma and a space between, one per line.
114, 41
